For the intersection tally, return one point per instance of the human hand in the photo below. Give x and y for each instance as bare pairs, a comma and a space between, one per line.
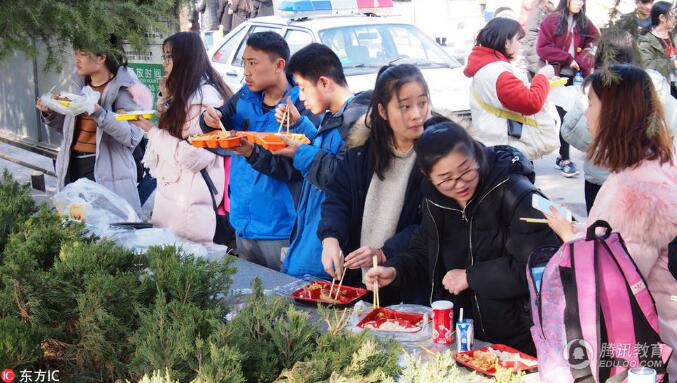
548, 71
455, 281
383, 276
212, 117
332, 258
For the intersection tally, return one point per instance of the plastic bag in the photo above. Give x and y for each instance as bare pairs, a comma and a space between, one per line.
95, 205
140, 240
75, 105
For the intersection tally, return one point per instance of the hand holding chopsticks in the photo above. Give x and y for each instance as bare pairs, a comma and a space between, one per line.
333, 281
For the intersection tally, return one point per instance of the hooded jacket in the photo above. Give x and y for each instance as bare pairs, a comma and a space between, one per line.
501, 85
317, 163
183, 202
489, 241
115, 140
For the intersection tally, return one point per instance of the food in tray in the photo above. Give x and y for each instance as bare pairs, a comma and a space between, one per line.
487, 359
63, 100
384, 319
231, 139
134, 115
322, 292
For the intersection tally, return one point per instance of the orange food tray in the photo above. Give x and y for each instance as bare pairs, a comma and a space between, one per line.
466, 358
318, 292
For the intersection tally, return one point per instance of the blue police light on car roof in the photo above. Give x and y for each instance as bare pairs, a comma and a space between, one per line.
305, 6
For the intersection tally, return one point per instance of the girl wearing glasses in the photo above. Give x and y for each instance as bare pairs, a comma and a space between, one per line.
472, 245
183, 201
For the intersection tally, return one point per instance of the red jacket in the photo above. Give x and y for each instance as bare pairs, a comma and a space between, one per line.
512, 92
555, 47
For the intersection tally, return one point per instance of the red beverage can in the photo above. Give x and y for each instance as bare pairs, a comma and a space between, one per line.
443, 319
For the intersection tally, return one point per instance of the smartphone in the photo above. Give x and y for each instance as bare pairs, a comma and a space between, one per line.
543, 205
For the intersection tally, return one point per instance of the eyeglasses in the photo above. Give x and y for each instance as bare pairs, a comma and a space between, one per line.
467, 176
166, 58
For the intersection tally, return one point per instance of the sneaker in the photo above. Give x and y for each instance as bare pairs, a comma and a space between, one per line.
568, 169
558, 163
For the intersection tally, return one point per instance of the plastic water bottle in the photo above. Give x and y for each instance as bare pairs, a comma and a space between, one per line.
578, 79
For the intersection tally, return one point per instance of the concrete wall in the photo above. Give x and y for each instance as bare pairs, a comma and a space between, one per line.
22, 81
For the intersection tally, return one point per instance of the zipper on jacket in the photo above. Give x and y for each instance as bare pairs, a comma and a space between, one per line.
472, 258
437, 250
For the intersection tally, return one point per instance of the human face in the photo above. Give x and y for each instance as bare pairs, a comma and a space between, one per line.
668, 20
407, 111
167, 60
312, 94
594, 111
260, 70
456, 176
575, 6
512, 46
87, 63
644, 9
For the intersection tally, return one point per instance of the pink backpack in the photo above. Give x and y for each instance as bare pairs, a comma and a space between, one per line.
593, 315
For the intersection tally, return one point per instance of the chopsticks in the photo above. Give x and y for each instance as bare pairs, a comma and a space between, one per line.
377, 302
333, 281
286, 119
534, 220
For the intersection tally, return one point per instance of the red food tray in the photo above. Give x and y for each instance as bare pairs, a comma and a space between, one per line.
377, 317
318, 292
466, 358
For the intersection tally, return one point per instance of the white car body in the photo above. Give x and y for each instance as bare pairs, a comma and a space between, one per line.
449, 88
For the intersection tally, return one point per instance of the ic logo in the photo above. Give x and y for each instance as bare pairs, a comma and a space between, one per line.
7, 376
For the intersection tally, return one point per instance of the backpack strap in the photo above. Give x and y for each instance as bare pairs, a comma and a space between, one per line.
505, 114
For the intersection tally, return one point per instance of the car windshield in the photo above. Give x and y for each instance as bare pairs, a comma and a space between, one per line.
365, 48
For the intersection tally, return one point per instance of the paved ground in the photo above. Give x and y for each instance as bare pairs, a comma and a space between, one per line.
567, 191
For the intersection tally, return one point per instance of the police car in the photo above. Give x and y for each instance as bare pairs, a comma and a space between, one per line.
362, 39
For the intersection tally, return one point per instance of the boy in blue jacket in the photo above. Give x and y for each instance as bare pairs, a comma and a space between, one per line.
323, 89
261, 185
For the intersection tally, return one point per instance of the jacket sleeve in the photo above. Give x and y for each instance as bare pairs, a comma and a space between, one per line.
515, 96
650, 58
546, 48
188, 156
400, 241
505, 277
338, 204
584, 58
412, 263
121, 131
575, 129
54, 120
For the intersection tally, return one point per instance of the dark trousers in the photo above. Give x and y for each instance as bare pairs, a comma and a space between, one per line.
563, 145
591, 191
80, 167
146, 187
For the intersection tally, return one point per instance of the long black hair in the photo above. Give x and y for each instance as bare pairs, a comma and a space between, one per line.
580, 19
442, 137
389, 81
659, 8
616, 47
190, 70
497, 31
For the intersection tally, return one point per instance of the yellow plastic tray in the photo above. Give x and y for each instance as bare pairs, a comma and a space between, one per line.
129, 116
558, 82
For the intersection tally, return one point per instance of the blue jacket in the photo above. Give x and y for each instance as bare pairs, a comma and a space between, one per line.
262, 186
316, 163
